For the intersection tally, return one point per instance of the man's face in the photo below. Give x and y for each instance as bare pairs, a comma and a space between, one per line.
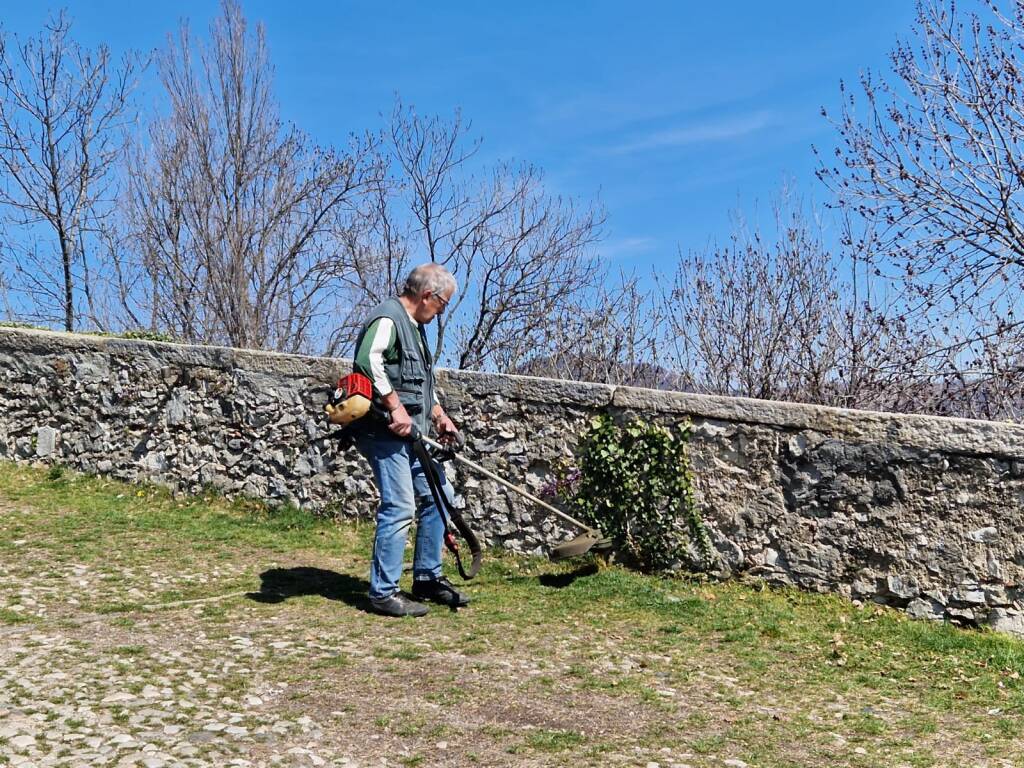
431, 305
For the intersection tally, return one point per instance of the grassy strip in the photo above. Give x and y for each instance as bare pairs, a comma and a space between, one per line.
81, 513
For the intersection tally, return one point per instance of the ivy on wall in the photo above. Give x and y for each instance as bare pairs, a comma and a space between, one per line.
633, 481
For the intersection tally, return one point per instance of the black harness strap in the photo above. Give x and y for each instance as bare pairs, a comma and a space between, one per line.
448, 513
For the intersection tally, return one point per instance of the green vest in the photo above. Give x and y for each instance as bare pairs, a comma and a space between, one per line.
412, 375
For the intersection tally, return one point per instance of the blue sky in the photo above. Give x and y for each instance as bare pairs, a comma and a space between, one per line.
672, 113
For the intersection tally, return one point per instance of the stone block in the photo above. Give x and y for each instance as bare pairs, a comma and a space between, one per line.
969, 595
902, 587
177, 411
864, 587
154, 462
964, 616
46, 441
921, 608
1003, 620
987, 535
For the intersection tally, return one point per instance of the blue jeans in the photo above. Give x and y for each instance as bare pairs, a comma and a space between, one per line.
403, 491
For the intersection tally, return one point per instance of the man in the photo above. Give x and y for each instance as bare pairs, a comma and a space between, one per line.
392, 352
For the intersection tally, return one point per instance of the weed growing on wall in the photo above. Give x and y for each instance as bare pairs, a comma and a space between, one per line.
633, 481
144, 335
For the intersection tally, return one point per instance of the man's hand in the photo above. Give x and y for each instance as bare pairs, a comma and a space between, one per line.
401, 423
445, 427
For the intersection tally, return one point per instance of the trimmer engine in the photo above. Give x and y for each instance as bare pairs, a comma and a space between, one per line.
351, 400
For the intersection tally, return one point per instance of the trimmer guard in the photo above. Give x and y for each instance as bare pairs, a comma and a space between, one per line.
591, 539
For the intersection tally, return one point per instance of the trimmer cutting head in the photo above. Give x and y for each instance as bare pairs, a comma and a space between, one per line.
590, 540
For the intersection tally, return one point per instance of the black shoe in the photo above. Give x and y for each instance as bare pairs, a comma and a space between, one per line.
439, 591
398, 604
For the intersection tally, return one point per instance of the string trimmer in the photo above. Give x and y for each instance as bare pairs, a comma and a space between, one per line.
590, 538
352, 400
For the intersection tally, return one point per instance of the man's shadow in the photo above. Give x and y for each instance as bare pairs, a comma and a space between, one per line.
278, 584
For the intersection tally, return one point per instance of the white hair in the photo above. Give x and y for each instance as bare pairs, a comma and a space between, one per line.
429, 277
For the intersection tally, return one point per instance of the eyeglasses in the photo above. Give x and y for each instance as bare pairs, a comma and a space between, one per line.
443, 301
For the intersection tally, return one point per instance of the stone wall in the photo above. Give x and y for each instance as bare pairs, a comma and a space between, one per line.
923, 513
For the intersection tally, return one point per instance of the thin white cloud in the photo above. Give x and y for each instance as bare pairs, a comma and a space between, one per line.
605, 112
627, 246
707, 132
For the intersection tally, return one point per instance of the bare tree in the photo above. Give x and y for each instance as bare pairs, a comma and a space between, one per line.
375, 247
748, 318
236, 212
934, 158
533, 265
780, 317
520, 254
612, 339
63, 109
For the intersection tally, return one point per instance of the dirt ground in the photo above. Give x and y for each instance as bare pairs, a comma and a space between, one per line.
273, 659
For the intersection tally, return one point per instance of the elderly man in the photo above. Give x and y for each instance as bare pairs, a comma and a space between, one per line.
392, 351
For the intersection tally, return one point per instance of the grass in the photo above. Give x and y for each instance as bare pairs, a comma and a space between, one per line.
550, 741
8, 616
562, 665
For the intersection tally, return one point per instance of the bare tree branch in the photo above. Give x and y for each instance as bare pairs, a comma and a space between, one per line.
935, 159
63, 111
236, 212
520, 255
